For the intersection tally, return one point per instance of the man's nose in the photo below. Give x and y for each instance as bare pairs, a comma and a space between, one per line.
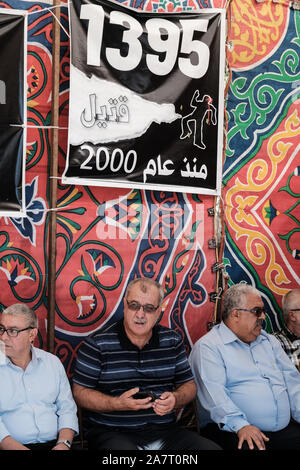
140, 312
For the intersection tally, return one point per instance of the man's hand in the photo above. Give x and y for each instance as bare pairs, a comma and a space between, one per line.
101, 402
164, 404
60, 447
252, 434
127, 402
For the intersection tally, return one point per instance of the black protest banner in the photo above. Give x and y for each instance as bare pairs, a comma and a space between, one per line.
146, 98
13, 33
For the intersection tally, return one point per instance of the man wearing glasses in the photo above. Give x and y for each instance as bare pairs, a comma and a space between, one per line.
37, 409
289, 335
130, 377
248, 389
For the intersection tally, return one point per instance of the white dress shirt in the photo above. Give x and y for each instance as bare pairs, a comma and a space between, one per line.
37, 403
241, 384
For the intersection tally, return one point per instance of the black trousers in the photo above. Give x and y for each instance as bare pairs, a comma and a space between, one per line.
172, 437
41, 445
285, 439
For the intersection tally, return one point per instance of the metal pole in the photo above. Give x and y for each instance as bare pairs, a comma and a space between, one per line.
53, 177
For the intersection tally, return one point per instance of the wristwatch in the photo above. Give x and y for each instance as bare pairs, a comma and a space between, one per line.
67, 443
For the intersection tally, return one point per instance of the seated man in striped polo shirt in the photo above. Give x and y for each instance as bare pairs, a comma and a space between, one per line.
135, 355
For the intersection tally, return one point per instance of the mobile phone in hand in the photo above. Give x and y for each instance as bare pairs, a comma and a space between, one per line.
141, 395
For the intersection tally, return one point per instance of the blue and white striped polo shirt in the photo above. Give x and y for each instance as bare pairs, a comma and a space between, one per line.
108, 361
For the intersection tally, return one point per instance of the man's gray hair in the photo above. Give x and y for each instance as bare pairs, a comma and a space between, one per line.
25, 311
290, 300
144, 284
235, 296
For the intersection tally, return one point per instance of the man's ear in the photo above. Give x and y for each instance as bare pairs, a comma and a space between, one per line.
33, 334
291, 316
235, 313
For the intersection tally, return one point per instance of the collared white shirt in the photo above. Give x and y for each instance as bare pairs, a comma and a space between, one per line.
36, 403
241, 384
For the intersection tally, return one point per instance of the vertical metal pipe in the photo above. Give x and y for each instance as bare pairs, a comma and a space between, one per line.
53, 165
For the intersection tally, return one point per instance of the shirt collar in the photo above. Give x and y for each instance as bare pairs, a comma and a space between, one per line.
127, 344
35, 356
229, 336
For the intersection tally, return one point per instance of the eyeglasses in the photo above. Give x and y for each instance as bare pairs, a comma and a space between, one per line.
135, 306
256, 310
294, 309
13, 332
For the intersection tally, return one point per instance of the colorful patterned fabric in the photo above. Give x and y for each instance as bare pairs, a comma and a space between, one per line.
261, 169
106, 236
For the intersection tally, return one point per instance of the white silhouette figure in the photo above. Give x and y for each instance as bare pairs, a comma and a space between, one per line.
203, 112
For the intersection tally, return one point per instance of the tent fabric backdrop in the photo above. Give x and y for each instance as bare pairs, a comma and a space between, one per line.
261, 170
107, 236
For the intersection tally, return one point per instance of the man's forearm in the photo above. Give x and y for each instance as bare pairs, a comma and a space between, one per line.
93, 399
66, 434
185, 393
8, 443
98, 401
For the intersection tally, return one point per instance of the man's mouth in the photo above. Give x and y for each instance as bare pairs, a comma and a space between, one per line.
139, 322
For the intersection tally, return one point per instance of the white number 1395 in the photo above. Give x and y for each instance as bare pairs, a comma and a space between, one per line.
163, 37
